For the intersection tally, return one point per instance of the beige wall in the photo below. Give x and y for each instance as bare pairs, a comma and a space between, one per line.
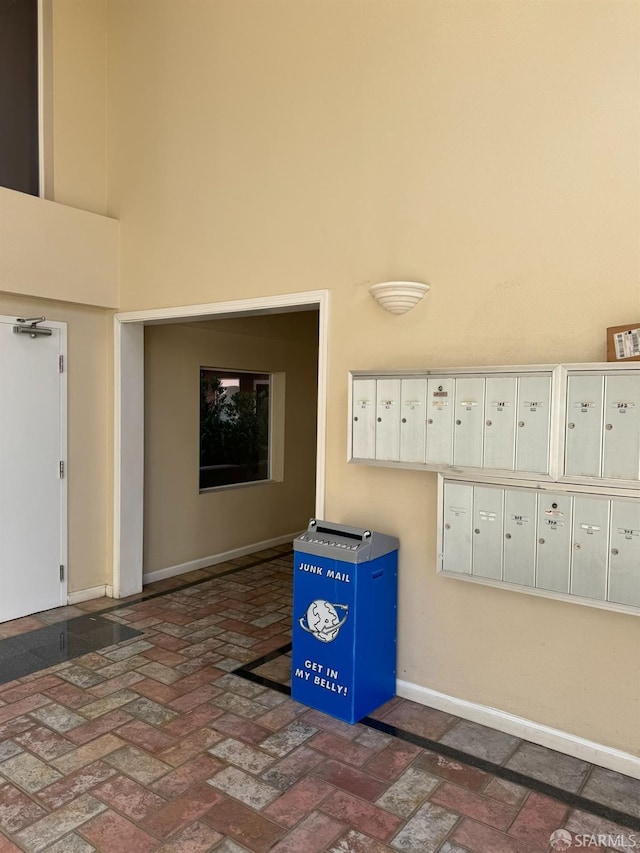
90, 434
79, 77
182, 525
490, 148
51, 251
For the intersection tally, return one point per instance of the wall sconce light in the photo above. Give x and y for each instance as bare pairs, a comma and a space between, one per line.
398, 297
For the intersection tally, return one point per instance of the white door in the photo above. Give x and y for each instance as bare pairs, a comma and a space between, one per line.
32, 490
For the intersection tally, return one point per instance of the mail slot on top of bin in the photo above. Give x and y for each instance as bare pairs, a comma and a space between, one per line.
344, 619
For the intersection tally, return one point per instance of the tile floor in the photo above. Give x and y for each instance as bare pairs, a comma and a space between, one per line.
176, 740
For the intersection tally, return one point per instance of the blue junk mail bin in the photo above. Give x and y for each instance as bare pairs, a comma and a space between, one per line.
344, 619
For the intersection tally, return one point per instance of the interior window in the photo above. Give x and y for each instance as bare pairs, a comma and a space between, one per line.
234, 427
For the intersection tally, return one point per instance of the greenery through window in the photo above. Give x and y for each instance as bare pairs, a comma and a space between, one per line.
234, 427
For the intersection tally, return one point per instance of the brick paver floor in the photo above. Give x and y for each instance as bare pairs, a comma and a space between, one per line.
156, 744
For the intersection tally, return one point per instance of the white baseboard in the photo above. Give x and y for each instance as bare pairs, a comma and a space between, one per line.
586, 750
87, 594
203, 562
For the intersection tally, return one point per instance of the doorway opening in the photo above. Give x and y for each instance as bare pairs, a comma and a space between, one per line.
153, 541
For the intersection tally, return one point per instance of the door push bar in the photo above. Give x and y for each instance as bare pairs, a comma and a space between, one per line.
29, 326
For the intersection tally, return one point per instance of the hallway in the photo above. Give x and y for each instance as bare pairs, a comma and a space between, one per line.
183, 738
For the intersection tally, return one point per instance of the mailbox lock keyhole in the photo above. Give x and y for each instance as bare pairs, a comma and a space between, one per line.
379, 420
554, 506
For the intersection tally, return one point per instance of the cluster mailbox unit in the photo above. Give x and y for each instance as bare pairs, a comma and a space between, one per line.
500, 421
539, 470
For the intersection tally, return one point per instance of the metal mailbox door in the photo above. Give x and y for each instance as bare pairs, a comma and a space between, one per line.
533, 420
440, 411
363, 430
388, 419
413, 423
487, 540
624, 553
469, 416
553, 557
590, 546
621, 454
458, 516
520, 537
584, 426
499, 423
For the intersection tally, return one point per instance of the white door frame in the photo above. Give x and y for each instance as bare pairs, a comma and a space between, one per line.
64, 512
128, 487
